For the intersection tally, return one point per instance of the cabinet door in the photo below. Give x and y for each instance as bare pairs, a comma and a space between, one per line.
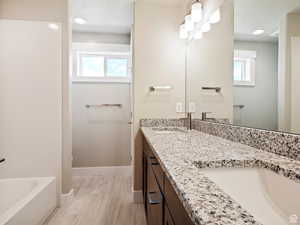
154, 199
168, 219
175, 206
145, 166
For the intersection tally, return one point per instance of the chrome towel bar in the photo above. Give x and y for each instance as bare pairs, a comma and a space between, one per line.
217, 89
239, 106
104, 105
160, 88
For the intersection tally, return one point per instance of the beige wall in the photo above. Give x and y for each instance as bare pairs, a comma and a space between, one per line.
56, 11
210, 63
95, 130
100, 38
289, 27
158, 60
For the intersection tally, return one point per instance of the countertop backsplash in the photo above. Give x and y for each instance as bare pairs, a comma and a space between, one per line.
284, 144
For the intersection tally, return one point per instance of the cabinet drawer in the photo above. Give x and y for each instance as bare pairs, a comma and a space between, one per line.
175, 206
159, 174
154, 200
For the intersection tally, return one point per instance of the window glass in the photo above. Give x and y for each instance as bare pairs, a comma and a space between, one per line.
116, 67
91, 66
239, 69
244, 67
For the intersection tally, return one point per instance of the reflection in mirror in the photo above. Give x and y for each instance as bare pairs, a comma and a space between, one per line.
209, 69
252, 55
266, 46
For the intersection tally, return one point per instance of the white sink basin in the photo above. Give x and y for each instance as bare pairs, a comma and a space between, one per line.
272, 199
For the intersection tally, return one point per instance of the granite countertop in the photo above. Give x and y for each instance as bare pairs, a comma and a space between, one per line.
183, 154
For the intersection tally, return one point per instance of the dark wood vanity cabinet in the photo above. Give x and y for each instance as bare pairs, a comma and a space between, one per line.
168, 220
162, 204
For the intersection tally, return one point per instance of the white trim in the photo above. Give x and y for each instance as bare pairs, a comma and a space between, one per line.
238, 53
66, 198
101, 81
94, 171
105, 56
100, 47
137, 197
106, 53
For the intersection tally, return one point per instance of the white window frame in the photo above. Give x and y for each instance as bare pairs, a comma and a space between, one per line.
107, 55
250, 58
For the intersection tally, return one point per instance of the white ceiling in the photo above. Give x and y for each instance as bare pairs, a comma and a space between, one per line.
251, 15
104, 16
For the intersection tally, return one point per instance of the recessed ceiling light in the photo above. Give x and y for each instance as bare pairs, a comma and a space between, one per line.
79, 20
53, 26
258, 32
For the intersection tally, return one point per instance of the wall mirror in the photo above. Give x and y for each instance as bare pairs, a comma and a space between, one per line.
251, 72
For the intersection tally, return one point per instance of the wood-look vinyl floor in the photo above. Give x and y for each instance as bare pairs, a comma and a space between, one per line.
101, 199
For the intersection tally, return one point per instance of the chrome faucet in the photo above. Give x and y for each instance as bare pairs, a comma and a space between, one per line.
189, 120
204, 115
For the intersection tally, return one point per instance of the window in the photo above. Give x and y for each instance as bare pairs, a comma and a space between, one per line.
102, 67
91, 66
244, 68
117, 67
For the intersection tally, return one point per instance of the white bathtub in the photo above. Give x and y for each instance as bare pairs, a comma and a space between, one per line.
27, 201
271, 198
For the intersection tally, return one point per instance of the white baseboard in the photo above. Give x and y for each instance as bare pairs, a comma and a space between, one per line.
94, 171
66, 198
138, 197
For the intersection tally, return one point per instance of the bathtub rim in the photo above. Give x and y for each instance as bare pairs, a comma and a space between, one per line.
14, 209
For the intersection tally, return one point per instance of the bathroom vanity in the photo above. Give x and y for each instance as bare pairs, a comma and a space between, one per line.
190, 177
162, 204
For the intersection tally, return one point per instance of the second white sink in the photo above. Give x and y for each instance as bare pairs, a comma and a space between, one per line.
272, 199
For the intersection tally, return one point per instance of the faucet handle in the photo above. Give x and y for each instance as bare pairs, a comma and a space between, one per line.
204, 115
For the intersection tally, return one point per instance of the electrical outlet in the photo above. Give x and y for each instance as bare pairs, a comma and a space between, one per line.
179, 107
192, 107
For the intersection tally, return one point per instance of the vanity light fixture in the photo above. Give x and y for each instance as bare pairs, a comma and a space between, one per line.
79, 20
200, 19
258, 32
196, 12
189, 23
215, 17
198, 34
206, 27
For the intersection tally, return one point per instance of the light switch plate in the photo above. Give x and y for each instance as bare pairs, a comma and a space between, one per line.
179, 107
192, 107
